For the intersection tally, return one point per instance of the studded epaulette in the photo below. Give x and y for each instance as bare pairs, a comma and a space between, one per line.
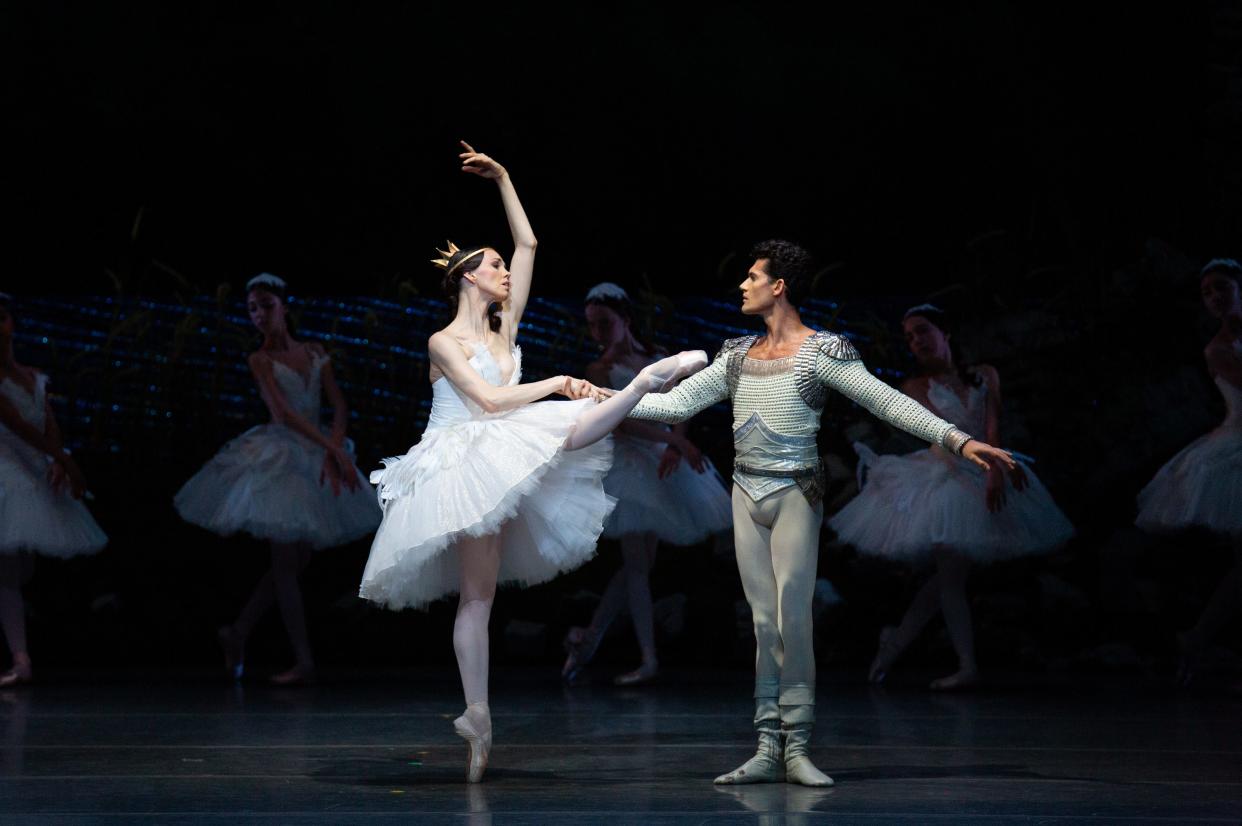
833, 345
734, 352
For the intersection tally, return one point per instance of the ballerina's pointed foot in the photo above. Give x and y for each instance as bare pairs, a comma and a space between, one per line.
299, 675
645, 673
19, 674
663, 375
963, 680
234, 651
580, 644
475, 727
885, 655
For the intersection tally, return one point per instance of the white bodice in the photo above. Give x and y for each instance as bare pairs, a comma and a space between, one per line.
971, 416
304, 394
449, 406
32, 407
1233, 403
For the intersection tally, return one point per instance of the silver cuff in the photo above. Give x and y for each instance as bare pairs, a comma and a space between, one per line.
955, 440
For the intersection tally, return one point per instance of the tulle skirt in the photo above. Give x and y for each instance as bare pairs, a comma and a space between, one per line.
909, 504
266, 483
1201, 486
33, 517
684, 508
506, 474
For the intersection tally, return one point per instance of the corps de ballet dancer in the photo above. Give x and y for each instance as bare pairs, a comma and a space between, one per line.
500, 489
41, 488
666, 491
931, 503
292, 481
1201, 486
779, 383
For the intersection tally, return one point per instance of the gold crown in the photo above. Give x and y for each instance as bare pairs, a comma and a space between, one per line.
453, 249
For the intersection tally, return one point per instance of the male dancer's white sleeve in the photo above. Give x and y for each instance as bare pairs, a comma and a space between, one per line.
850, 378
693, 395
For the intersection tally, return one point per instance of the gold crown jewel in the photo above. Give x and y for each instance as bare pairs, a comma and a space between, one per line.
447, 255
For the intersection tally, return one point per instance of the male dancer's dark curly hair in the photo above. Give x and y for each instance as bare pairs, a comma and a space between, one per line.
790, 262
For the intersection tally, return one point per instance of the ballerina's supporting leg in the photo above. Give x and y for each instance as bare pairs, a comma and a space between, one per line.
480, 565
639, 550
1220, 608
895, 640
952, 570
597, 422
13, 616
288, 562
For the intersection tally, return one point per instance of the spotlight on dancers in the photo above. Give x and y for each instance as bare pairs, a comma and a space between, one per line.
933, 506
501, 489
1201, 486
666, 491
41, 489
291, 482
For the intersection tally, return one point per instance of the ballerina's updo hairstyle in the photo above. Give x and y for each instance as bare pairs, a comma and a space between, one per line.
615, 298
459, 263
940, 319
274, 285
788, 261
1223, 266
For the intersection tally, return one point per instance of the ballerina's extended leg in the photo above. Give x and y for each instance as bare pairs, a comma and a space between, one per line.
597, 422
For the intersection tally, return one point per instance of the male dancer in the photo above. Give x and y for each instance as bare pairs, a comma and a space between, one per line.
778, 383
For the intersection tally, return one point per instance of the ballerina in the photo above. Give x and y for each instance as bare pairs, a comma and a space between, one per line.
291, 482
666, 491
500, 489
1201, 486
932, 504
779, 384
41, 488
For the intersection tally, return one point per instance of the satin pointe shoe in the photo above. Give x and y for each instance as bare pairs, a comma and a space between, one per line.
17, 675
234, 651
475, 727
580, 645
663, 375
299, 675
645, 673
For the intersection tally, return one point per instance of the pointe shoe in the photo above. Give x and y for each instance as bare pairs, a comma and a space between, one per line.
580, 644
17, 675
645, 673
885, 656
478, 736
963, 680
299, 675
234, 651
664, 374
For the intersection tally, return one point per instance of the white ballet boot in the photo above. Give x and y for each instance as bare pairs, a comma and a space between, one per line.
797, 703
766, 765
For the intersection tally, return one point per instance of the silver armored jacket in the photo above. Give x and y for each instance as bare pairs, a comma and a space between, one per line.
777, 406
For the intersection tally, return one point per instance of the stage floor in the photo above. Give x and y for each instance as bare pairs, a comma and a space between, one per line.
378, 747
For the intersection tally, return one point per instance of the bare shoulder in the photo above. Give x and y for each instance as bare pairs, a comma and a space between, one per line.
259, 361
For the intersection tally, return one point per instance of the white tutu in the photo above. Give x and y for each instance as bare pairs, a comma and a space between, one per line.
908, 504
266, 481
33, 517
1201, 486
684, 508
475, 474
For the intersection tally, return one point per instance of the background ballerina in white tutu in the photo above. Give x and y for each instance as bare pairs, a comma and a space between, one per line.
932, 504
1202, 485
292, 482
41, 489
666, 491
499, 489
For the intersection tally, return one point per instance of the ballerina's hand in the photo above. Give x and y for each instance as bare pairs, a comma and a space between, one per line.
330, 473
345, 466
64, 476
983, 455
581, 389
669, 460
479, 164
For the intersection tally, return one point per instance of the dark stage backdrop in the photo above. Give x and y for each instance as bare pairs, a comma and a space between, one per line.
1056, 175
